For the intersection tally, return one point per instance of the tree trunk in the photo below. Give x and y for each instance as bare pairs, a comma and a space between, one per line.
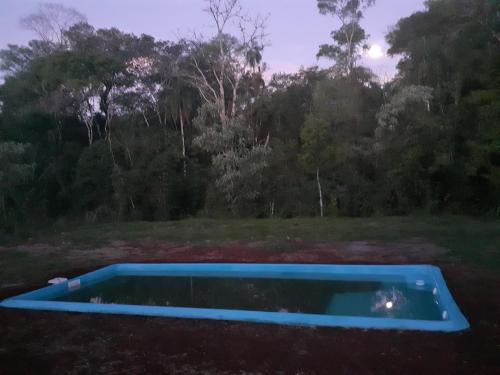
145, 118
59, 131
108, 137
3, 210
90, 132
320, 193
184, 167
458, 89
104, 106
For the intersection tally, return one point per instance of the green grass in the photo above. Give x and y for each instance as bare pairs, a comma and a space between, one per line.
475, 240
470, 240
328, 229
18, 267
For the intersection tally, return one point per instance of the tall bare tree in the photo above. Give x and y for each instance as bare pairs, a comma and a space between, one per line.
51, 21
228, 59
219, 68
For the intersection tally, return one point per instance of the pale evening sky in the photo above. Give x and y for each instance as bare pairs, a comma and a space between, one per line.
295, 27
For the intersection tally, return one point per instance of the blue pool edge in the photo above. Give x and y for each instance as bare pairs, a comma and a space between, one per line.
456, 322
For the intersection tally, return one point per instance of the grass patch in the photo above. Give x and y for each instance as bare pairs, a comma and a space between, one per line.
19, 267
470, 240
197, 231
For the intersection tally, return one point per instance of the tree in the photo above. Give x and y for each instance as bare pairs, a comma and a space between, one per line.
15, 174
337, 140
51, 22
317, 146
162, 94
408, 129
408, 95
282, 110
350, 37
447, 46
220, 67
229, 58
453, 48
123, 127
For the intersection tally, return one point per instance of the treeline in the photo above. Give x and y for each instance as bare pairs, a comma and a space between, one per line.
104, 125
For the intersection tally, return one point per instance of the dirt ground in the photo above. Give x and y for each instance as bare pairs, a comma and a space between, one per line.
33, 342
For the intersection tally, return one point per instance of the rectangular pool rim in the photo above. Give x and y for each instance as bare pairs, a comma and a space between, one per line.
455, 321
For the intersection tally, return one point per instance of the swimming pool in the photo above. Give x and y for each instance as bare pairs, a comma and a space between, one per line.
350, 296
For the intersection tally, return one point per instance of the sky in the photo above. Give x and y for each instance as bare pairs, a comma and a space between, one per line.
295, 28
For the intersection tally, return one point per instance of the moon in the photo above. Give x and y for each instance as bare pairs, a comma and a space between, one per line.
375, 52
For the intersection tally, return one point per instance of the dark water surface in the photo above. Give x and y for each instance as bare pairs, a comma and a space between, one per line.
330, 297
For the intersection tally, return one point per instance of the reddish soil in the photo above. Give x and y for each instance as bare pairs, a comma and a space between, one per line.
34, 342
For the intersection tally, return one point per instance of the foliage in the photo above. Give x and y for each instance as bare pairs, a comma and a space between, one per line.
350, 37
224, 74
100, 125
15, 175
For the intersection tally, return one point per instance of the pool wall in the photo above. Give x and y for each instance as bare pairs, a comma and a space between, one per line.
455, 321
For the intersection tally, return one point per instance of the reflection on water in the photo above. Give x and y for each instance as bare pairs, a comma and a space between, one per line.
332, 297
392, 299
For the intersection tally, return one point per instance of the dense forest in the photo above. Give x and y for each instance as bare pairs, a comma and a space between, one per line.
103, 125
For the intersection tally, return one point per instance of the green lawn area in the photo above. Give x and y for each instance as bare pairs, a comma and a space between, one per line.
471, 241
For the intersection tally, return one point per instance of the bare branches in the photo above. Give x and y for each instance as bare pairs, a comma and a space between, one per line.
220, 64
206, 90
51, 21
219, 69
222, 11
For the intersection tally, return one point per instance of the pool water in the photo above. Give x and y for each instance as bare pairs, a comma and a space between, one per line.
389, 299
